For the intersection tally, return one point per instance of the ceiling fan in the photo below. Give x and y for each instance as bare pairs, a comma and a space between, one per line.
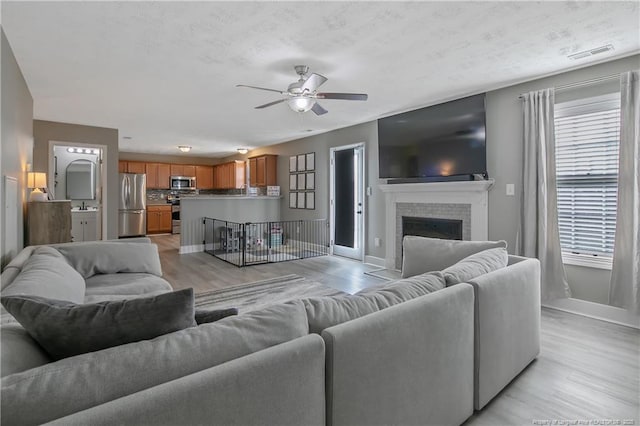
302, 95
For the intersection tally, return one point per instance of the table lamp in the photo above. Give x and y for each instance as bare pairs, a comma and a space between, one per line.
35, 181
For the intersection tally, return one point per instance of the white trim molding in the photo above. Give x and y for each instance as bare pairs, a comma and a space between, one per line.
599, 262
474, 193
195, 248
373, 260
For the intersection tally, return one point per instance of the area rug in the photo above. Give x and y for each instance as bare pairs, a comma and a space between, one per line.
259, 294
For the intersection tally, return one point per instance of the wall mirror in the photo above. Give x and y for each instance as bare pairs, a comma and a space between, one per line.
81, 180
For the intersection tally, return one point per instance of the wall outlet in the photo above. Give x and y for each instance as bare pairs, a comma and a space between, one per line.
511, 189
376, 242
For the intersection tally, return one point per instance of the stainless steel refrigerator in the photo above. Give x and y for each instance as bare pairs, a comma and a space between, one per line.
132, 213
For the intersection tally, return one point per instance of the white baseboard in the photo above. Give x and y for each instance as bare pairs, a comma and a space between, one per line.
596, 310
196, 248
376, 261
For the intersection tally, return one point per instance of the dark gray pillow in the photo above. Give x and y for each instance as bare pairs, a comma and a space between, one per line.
65, 329
203, 316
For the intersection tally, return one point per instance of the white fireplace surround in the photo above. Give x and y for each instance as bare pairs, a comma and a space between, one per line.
474, 193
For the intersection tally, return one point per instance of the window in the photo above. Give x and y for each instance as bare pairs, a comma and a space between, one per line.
587, 142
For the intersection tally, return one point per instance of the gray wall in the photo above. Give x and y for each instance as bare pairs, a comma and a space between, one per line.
320, 144
45, 131
17, 139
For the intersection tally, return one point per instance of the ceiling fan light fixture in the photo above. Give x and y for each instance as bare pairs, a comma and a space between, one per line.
242, 150
184, 148
301, 103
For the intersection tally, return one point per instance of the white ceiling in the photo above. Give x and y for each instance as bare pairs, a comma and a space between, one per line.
164, 73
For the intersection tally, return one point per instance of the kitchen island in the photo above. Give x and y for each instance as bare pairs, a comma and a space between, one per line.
234, 208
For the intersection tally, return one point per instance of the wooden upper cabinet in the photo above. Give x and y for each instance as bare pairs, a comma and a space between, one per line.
204, 177
122, 166
229, 175
136, 167
157, 175
183, 170
263, 170
151, 169
164, 173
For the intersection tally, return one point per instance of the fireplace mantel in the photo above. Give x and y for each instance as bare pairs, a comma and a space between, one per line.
473, 193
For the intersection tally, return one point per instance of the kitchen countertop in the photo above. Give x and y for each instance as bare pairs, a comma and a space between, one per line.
158, 203
230, 197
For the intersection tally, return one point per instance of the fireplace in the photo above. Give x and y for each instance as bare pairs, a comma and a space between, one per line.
450, 229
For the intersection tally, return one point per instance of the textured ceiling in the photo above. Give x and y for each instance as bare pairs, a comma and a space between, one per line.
164, 73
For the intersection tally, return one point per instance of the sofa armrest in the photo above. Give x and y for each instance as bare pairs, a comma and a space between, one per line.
411, 363
281, 385
507, 326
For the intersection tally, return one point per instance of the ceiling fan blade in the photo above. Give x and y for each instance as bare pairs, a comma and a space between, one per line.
270, 104
261, 88
343, 96
317, 108
312, 83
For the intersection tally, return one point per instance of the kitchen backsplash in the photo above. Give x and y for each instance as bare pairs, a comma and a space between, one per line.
161, 194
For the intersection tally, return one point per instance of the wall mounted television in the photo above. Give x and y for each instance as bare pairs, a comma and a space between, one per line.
439, 142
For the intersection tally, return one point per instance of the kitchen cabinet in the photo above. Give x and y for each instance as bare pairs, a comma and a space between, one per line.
183, 170
48, 222
136, 167
229, 175
84, 225
158, 219
263, 170
157, 175
204, 177
122, 166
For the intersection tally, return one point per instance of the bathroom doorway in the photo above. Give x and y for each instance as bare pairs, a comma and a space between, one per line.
77, 172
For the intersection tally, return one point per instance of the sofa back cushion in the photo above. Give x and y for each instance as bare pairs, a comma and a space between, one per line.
325, 312
35, 396
47, 274
106, 257
18, 351
422, 254
475, 265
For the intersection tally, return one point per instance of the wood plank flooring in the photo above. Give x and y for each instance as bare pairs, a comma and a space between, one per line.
588, 370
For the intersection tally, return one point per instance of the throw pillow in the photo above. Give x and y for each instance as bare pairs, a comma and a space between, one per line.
475, 265
65, 329
203, 316
47, 274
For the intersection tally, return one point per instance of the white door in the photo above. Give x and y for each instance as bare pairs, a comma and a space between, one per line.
347, 201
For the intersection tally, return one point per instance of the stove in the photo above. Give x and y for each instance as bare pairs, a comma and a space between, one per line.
175, 213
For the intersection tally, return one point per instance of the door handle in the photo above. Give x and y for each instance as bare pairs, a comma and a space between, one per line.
359, 212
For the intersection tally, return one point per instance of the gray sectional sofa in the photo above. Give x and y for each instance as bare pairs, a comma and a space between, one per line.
401, 353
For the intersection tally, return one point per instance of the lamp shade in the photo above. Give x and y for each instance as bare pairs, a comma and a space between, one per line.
36, 180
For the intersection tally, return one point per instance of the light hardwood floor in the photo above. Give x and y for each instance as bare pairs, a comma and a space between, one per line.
588, 370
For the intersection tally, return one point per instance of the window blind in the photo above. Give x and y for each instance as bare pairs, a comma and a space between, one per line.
587, 143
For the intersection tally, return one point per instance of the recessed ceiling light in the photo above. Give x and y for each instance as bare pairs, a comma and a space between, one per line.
243, 150
590, 52
71, 150
184, 148
127, 137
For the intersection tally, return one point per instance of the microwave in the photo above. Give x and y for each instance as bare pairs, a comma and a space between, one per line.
183, 182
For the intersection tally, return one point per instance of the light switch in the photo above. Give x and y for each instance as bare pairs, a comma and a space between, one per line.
369, 191
376, 242
511, 190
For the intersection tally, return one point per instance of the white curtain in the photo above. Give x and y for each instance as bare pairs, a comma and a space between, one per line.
625, 276
538, 235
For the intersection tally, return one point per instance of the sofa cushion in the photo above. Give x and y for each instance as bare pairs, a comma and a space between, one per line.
475, 265
66, 329
47, 274
325, 312
422, 254
91, 379
104, 257
18, 351
123, 285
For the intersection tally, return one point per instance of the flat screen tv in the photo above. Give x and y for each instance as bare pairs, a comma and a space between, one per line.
440, 141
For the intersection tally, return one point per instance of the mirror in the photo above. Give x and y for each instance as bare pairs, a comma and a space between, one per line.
81, 180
